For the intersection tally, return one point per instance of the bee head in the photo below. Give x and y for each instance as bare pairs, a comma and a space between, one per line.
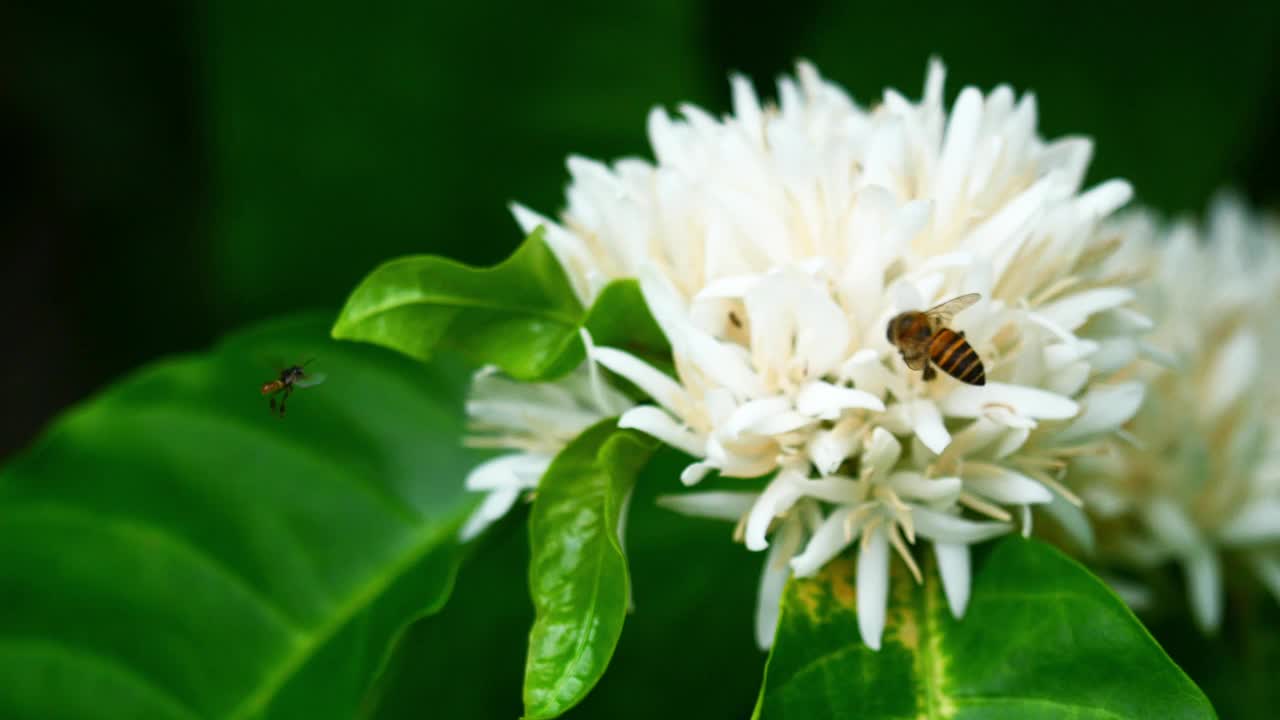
888, 329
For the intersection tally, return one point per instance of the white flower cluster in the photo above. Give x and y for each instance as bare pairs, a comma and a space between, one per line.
1201, 474
774, 246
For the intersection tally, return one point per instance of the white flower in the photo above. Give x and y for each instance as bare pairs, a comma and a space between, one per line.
536, 421
773, 247
1201, 473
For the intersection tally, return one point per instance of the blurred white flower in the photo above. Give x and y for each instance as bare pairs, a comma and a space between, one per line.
1200, 475
535, 421
773, 247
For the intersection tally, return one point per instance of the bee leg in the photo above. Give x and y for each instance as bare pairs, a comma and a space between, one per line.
283, 400
271, 402
929, 372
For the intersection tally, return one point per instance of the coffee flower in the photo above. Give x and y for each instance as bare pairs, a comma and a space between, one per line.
773, 247
1199, 476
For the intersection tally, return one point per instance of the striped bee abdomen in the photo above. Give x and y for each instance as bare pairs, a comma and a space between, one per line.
956, 357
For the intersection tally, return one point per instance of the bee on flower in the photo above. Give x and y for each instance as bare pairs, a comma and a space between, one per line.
777, 247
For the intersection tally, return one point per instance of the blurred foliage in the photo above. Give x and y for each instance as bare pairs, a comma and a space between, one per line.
172, 549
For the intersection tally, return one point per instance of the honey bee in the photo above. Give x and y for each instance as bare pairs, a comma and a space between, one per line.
923, 338
291, 377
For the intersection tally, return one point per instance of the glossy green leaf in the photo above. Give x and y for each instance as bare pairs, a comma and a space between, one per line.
520, 315
620, 318
1042, 638
577, 570
689, 634
172, 549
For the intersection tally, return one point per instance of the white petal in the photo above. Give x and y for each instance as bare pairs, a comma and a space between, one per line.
1257, 522
883, 451
1105, 198
491, 510
656, 384
1114, 354
872, 586
1010, 442
1234, 370
776, 499
1002, 235
718, 504
927, 423
957, 152
824, 400
695, 472
1106, 408
746, 108
906, 296
773, 580
1074, 521
827, 542
1072, 311
517, 470
868, 373
1204, 585
1171, 526
831, 489
733, 287
973, 401
1135, 595
665, 304
947, 528
915, 486
754, 412
727, 363
1004, 485
652, 421
779, 424
953, 566
828, 448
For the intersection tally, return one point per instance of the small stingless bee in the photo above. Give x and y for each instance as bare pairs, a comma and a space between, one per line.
291, 377
924, 341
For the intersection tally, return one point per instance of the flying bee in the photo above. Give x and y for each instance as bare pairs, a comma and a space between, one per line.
291, 377
925, 341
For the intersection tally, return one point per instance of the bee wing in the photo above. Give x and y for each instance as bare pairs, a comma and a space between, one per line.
942, 313
311, 380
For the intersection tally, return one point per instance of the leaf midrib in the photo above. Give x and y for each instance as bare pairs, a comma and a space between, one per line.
364, 596
928, 652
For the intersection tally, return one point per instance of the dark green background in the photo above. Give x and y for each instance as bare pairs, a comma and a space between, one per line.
177, 170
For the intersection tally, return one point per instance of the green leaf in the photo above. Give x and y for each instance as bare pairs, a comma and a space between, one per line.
520, 315
171, 549
577, 570
690, 633
620, 318
1041, 638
